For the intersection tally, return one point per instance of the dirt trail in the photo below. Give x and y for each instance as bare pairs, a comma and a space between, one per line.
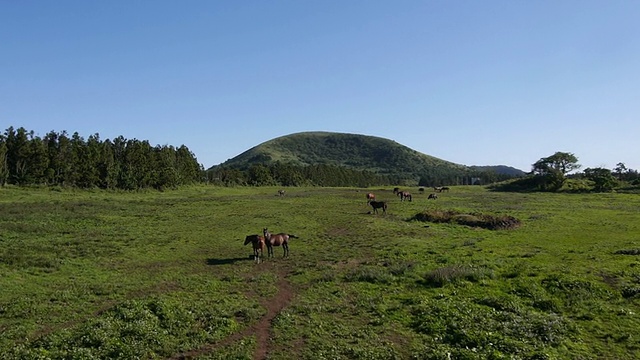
261, 330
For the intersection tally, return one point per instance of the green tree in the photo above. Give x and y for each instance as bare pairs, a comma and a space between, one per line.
107, 166
602, 178
259, 175
38, 161
552, 170
4, 168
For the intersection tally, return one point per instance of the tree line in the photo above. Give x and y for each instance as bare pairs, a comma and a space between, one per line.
552, 173
287, 174
284, 174
58, 159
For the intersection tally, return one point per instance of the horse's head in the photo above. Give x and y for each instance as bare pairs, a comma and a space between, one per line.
248, 239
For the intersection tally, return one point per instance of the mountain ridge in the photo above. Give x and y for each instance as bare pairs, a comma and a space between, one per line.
356, 151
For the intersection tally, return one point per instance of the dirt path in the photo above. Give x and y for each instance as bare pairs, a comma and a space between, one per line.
261, 330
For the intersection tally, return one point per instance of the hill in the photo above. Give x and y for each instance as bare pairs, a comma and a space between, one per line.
358, 152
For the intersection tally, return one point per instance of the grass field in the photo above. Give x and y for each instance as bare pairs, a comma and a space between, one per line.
165, 275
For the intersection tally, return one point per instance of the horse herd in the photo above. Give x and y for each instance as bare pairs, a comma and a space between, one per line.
268, 240
403, 195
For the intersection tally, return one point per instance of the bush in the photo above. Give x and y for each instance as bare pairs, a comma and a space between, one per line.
485, 221
628, 252
445, 275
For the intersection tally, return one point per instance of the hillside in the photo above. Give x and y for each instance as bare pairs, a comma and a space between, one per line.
359, 152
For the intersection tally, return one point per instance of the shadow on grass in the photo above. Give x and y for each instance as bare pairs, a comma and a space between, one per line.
228, 260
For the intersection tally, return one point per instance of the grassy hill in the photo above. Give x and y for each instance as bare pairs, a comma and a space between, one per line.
360, 152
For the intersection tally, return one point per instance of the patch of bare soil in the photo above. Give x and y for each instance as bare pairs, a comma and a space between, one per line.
262, 329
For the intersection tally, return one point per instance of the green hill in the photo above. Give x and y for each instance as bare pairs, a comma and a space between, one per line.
358, 152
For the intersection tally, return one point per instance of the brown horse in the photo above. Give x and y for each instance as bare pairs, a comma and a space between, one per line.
277, 240
371, 197
258, 246
378, 205
404, 195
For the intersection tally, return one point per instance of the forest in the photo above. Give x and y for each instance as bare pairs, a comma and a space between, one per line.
58, 159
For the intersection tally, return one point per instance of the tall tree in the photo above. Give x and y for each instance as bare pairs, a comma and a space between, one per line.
553, 169
620, 170
4, 168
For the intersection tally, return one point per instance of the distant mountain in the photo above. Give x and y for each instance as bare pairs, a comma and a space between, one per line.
359, 152
499, 169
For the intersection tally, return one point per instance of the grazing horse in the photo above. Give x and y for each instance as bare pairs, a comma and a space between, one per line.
444, 188
404, 195
421, 189
258, 246
378, 205
371, 197
396, 190
281, 192
437, 188
432, 196
277, 240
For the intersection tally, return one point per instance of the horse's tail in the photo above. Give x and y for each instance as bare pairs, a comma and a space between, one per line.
293, 236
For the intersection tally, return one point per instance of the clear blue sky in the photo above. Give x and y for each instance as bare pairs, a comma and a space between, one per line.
473, 82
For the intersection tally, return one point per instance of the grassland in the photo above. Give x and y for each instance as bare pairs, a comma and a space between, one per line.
165, 275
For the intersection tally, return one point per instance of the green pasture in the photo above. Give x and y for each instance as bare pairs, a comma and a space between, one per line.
165, 275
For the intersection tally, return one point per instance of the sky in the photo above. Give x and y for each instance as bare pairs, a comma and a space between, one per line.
472, 82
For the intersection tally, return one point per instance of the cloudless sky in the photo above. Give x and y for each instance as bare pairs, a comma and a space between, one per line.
472, 82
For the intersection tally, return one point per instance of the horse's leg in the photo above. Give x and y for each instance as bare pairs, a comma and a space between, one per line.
285, 246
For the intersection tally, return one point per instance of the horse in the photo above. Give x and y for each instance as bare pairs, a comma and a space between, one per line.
437, 188
421, 189
277, 240
444, 188
432, 196
371, 197
281, 192
404, 195
378, 205
258, 246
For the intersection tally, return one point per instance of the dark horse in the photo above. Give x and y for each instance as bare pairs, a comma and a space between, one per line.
404, 195
371, 197
277, 240
258, 246
432, 196
378, 205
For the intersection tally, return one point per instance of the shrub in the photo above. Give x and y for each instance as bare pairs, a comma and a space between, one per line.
442, 276
628, 252
485, 221
374, 275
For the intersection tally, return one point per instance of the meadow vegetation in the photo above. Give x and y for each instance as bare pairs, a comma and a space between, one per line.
95, 274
